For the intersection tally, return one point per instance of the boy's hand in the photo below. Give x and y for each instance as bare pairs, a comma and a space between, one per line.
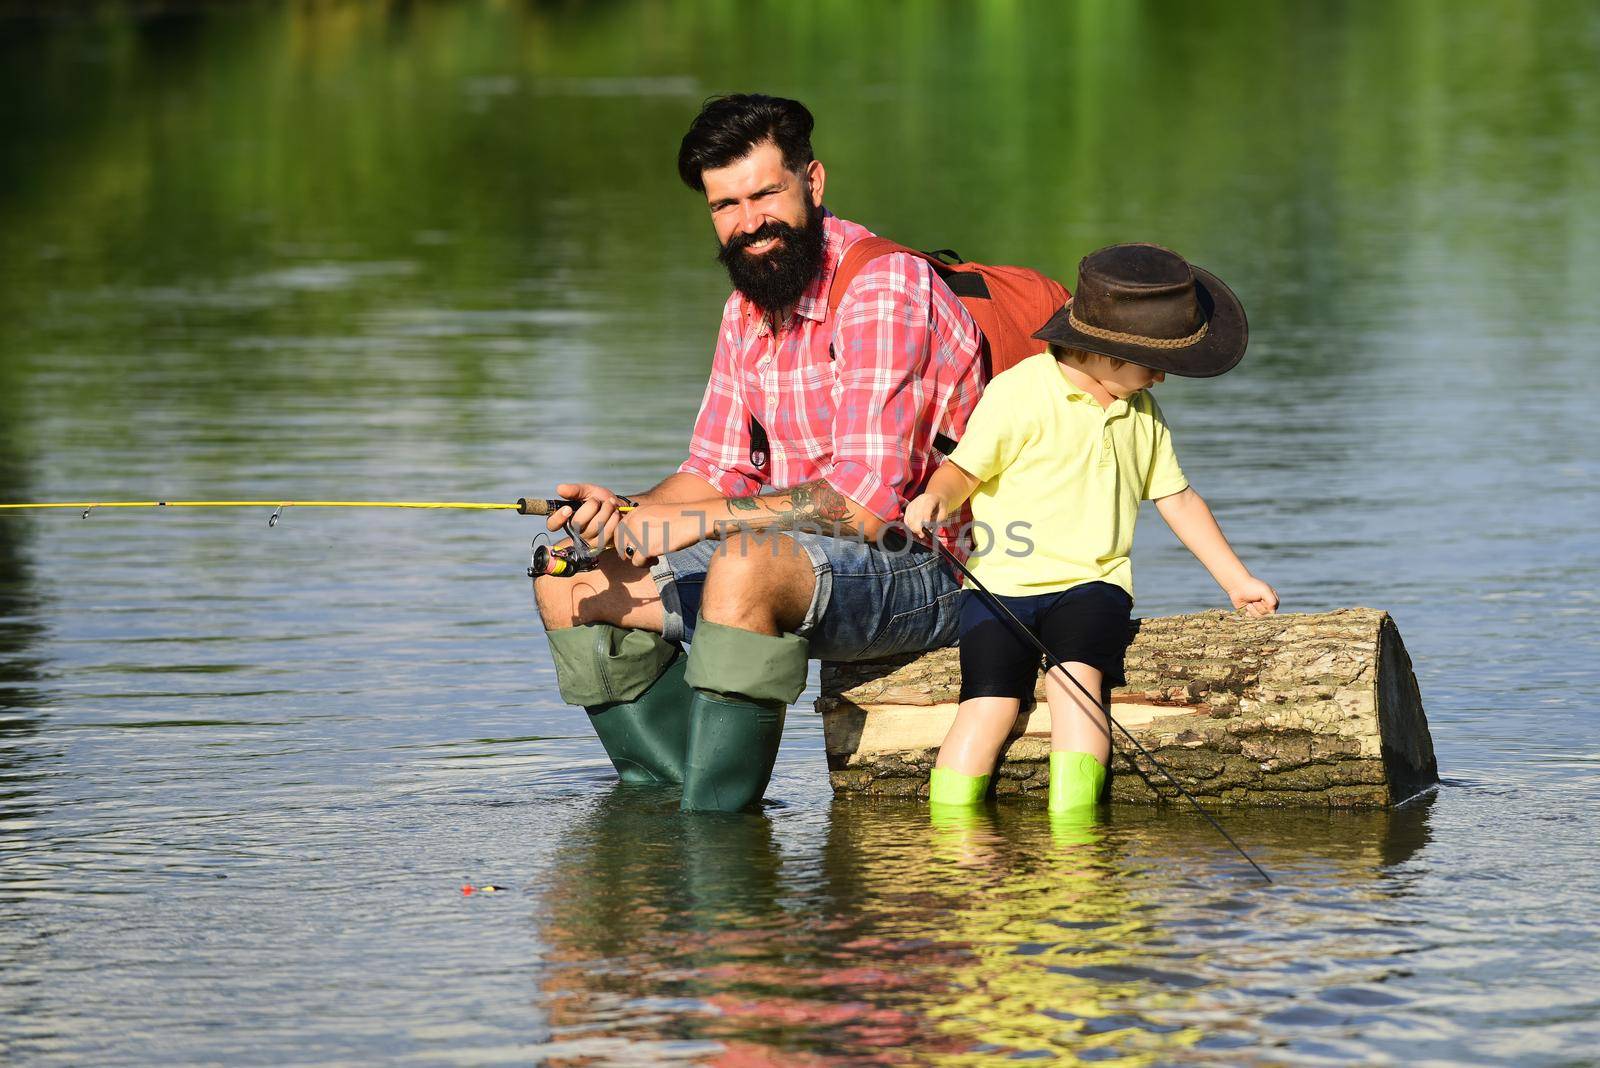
925, 514
1254, 597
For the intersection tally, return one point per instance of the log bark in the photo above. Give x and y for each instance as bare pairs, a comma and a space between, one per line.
1289, 710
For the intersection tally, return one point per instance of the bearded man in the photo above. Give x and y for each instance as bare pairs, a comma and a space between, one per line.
760, 552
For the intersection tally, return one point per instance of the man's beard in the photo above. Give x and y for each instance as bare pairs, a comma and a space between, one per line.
775, 280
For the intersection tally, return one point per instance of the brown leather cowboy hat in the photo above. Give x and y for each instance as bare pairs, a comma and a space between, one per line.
1148, 305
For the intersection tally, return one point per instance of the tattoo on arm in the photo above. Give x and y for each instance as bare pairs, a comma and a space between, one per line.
808, 506
818, 500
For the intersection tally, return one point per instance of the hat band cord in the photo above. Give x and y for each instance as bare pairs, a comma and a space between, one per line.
1136, 339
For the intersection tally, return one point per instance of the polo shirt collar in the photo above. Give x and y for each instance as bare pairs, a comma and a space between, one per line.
1076, 392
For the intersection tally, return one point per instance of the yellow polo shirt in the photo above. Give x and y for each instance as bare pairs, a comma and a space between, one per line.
1062, 480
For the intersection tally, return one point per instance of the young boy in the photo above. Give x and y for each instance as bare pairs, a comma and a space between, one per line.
1056, 458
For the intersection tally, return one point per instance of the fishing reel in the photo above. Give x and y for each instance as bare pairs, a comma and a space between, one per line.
562, 561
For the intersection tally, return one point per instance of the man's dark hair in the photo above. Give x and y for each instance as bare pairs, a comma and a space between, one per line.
729, 127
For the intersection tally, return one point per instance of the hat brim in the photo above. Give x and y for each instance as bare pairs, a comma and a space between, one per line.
1220, 350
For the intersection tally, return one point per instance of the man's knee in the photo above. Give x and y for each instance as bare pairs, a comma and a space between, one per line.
554, 599
759, 582
615, 592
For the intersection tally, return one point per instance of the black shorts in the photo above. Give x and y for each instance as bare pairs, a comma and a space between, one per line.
1090, 624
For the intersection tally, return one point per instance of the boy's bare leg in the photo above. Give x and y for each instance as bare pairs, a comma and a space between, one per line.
1077, 723
981, 728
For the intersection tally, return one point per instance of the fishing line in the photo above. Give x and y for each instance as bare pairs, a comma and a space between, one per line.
1022, 631
547, 559
92, 505
522, 506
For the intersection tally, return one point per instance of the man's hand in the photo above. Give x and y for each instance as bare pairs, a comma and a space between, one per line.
652, 530
926, 514
1255, 597
595, 520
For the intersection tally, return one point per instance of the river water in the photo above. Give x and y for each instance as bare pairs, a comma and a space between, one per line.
438, 251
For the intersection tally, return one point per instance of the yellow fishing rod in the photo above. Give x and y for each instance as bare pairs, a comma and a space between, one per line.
523, 505
547, 559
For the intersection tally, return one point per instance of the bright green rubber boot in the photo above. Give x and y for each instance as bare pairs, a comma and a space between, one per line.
743, 684
631, 683
1076, 780
949, 787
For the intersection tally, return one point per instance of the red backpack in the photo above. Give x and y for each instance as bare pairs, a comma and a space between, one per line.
1007, 303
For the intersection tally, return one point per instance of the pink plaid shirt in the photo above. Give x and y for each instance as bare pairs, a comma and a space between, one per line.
908, 368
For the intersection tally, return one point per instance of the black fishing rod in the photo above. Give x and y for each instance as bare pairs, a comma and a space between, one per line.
1027, 635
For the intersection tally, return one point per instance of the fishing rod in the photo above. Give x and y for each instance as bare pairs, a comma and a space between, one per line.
1022, 631
523, 505
561, 561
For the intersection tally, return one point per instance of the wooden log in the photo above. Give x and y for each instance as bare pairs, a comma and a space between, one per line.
1289, 710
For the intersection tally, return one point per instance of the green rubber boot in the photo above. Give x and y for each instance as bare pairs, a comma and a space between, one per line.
1076, 780
647, 737
743, 684
948, 787
631, 683
733, 744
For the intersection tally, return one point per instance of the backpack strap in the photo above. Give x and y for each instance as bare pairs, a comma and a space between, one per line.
855, 260
760, 447
851, 264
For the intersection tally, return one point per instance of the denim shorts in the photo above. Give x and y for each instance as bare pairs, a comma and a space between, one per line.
868, 602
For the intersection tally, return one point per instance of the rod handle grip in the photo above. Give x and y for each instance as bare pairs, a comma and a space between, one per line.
544, 505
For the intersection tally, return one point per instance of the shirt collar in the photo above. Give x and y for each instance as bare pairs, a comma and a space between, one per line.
813, 302
1076, 392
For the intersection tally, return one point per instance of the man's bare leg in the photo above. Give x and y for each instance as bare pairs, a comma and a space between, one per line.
616, 592
757, 591
758, 582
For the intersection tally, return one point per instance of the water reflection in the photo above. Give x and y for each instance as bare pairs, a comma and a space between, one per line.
1023, 931
436, 249
998, 932
23, 756
663, 928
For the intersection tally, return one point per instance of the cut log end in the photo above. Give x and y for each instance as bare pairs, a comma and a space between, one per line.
1289, 710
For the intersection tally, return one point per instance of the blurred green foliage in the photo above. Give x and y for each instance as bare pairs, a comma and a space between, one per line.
212, 188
